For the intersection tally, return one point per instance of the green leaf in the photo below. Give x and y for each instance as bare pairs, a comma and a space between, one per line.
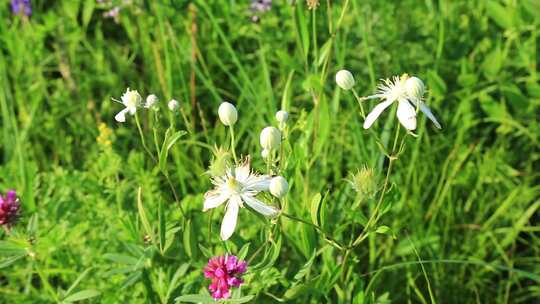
162, 228
82, 295
142, 215
77, 281
189, 240
243, 251
500, 14
241, 300
315, 204
168, 142
296, 291
10, 260
325, 51
207, 253
382, 229
121, 259
195, 298
436, 84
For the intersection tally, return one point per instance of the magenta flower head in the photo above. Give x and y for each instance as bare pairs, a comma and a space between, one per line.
225, 272
9, 208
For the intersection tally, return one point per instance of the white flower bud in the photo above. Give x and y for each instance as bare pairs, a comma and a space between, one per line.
270, 138
282, 116
414, 87
227, 113
265, 153
151, 101
345, 79
278, 186
173, 105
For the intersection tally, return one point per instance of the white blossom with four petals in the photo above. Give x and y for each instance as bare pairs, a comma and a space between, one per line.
399, 89
239, 185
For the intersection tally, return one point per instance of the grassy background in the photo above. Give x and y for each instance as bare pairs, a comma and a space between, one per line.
464, 198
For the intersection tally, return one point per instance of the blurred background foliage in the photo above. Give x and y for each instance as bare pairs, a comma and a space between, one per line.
464, 199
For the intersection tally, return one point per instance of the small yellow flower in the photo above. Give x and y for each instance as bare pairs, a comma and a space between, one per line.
104, 137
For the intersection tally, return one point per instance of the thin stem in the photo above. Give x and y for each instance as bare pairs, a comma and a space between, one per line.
373, 216
327, 238
142, 137
359, 99
233, 148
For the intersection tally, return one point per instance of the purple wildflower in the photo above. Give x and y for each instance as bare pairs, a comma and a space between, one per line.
225, 272
260, 6
21, 7
9, 208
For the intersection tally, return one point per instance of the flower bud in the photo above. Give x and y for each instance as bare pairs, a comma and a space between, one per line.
151, 101
227, 113
414, 87
345, 79
173, 105
265, 153
278, 186
282, 116
270, 138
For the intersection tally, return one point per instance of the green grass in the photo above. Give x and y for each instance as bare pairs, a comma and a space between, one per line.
459, 223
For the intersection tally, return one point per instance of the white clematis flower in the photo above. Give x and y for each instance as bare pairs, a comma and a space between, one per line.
405, 90
131, 99
239, 185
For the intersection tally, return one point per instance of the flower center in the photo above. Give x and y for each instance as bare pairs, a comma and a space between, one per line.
233, 184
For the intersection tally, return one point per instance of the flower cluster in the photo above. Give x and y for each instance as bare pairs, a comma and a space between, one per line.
132, 100
9, 208
407, 91
22, 7
225, 272
258, 7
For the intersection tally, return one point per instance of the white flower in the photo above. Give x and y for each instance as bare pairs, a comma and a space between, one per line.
279, 186
270, 138
131, 99
398, 90
151, 101
227, 113
238, 186
173, 105
415, 89
344, 79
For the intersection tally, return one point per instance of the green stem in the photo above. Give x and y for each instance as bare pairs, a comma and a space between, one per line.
391, 159
327, 238
359, 99
233, 148
141, 134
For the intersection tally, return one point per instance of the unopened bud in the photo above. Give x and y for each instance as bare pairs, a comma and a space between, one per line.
345, 79
227, 113
270, 138
278, 186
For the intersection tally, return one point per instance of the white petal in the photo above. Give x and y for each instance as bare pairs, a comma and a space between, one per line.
374, 114
213, 199
242, 172
406, 114
257, 183
121, 116
259, 206
231, 215
426, 110
132, 110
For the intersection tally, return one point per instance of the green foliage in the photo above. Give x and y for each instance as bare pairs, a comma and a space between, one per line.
108, 218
